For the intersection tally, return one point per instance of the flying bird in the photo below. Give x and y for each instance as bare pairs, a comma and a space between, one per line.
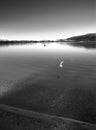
61, 64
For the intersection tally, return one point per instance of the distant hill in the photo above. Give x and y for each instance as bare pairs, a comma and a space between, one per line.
86, 37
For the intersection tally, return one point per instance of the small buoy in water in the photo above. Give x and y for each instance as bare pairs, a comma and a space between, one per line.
61, 64
44, 45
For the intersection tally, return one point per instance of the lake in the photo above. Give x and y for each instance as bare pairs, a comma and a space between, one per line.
31, 78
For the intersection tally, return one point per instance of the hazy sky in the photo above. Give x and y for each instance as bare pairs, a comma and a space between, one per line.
46, 19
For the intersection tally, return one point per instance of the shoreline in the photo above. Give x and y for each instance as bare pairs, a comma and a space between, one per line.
13, 114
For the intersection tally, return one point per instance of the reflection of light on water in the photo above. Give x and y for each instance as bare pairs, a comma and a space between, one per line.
41, 48
61, 64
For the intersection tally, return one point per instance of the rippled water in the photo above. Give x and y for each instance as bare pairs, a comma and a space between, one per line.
54, 78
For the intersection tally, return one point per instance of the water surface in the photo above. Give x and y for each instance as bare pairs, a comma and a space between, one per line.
31, 78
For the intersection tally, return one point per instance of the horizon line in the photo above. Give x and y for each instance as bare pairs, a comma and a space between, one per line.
45, 39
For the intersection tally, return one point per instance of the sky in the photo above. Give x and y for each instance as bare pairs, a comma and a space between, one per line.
46, 19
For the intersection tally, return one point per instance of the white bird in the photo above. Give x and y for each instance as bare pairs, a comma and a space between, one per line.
61, 64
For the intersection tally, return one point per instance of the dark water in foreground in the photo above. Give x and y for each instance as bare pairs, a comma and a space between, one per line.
31, 78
